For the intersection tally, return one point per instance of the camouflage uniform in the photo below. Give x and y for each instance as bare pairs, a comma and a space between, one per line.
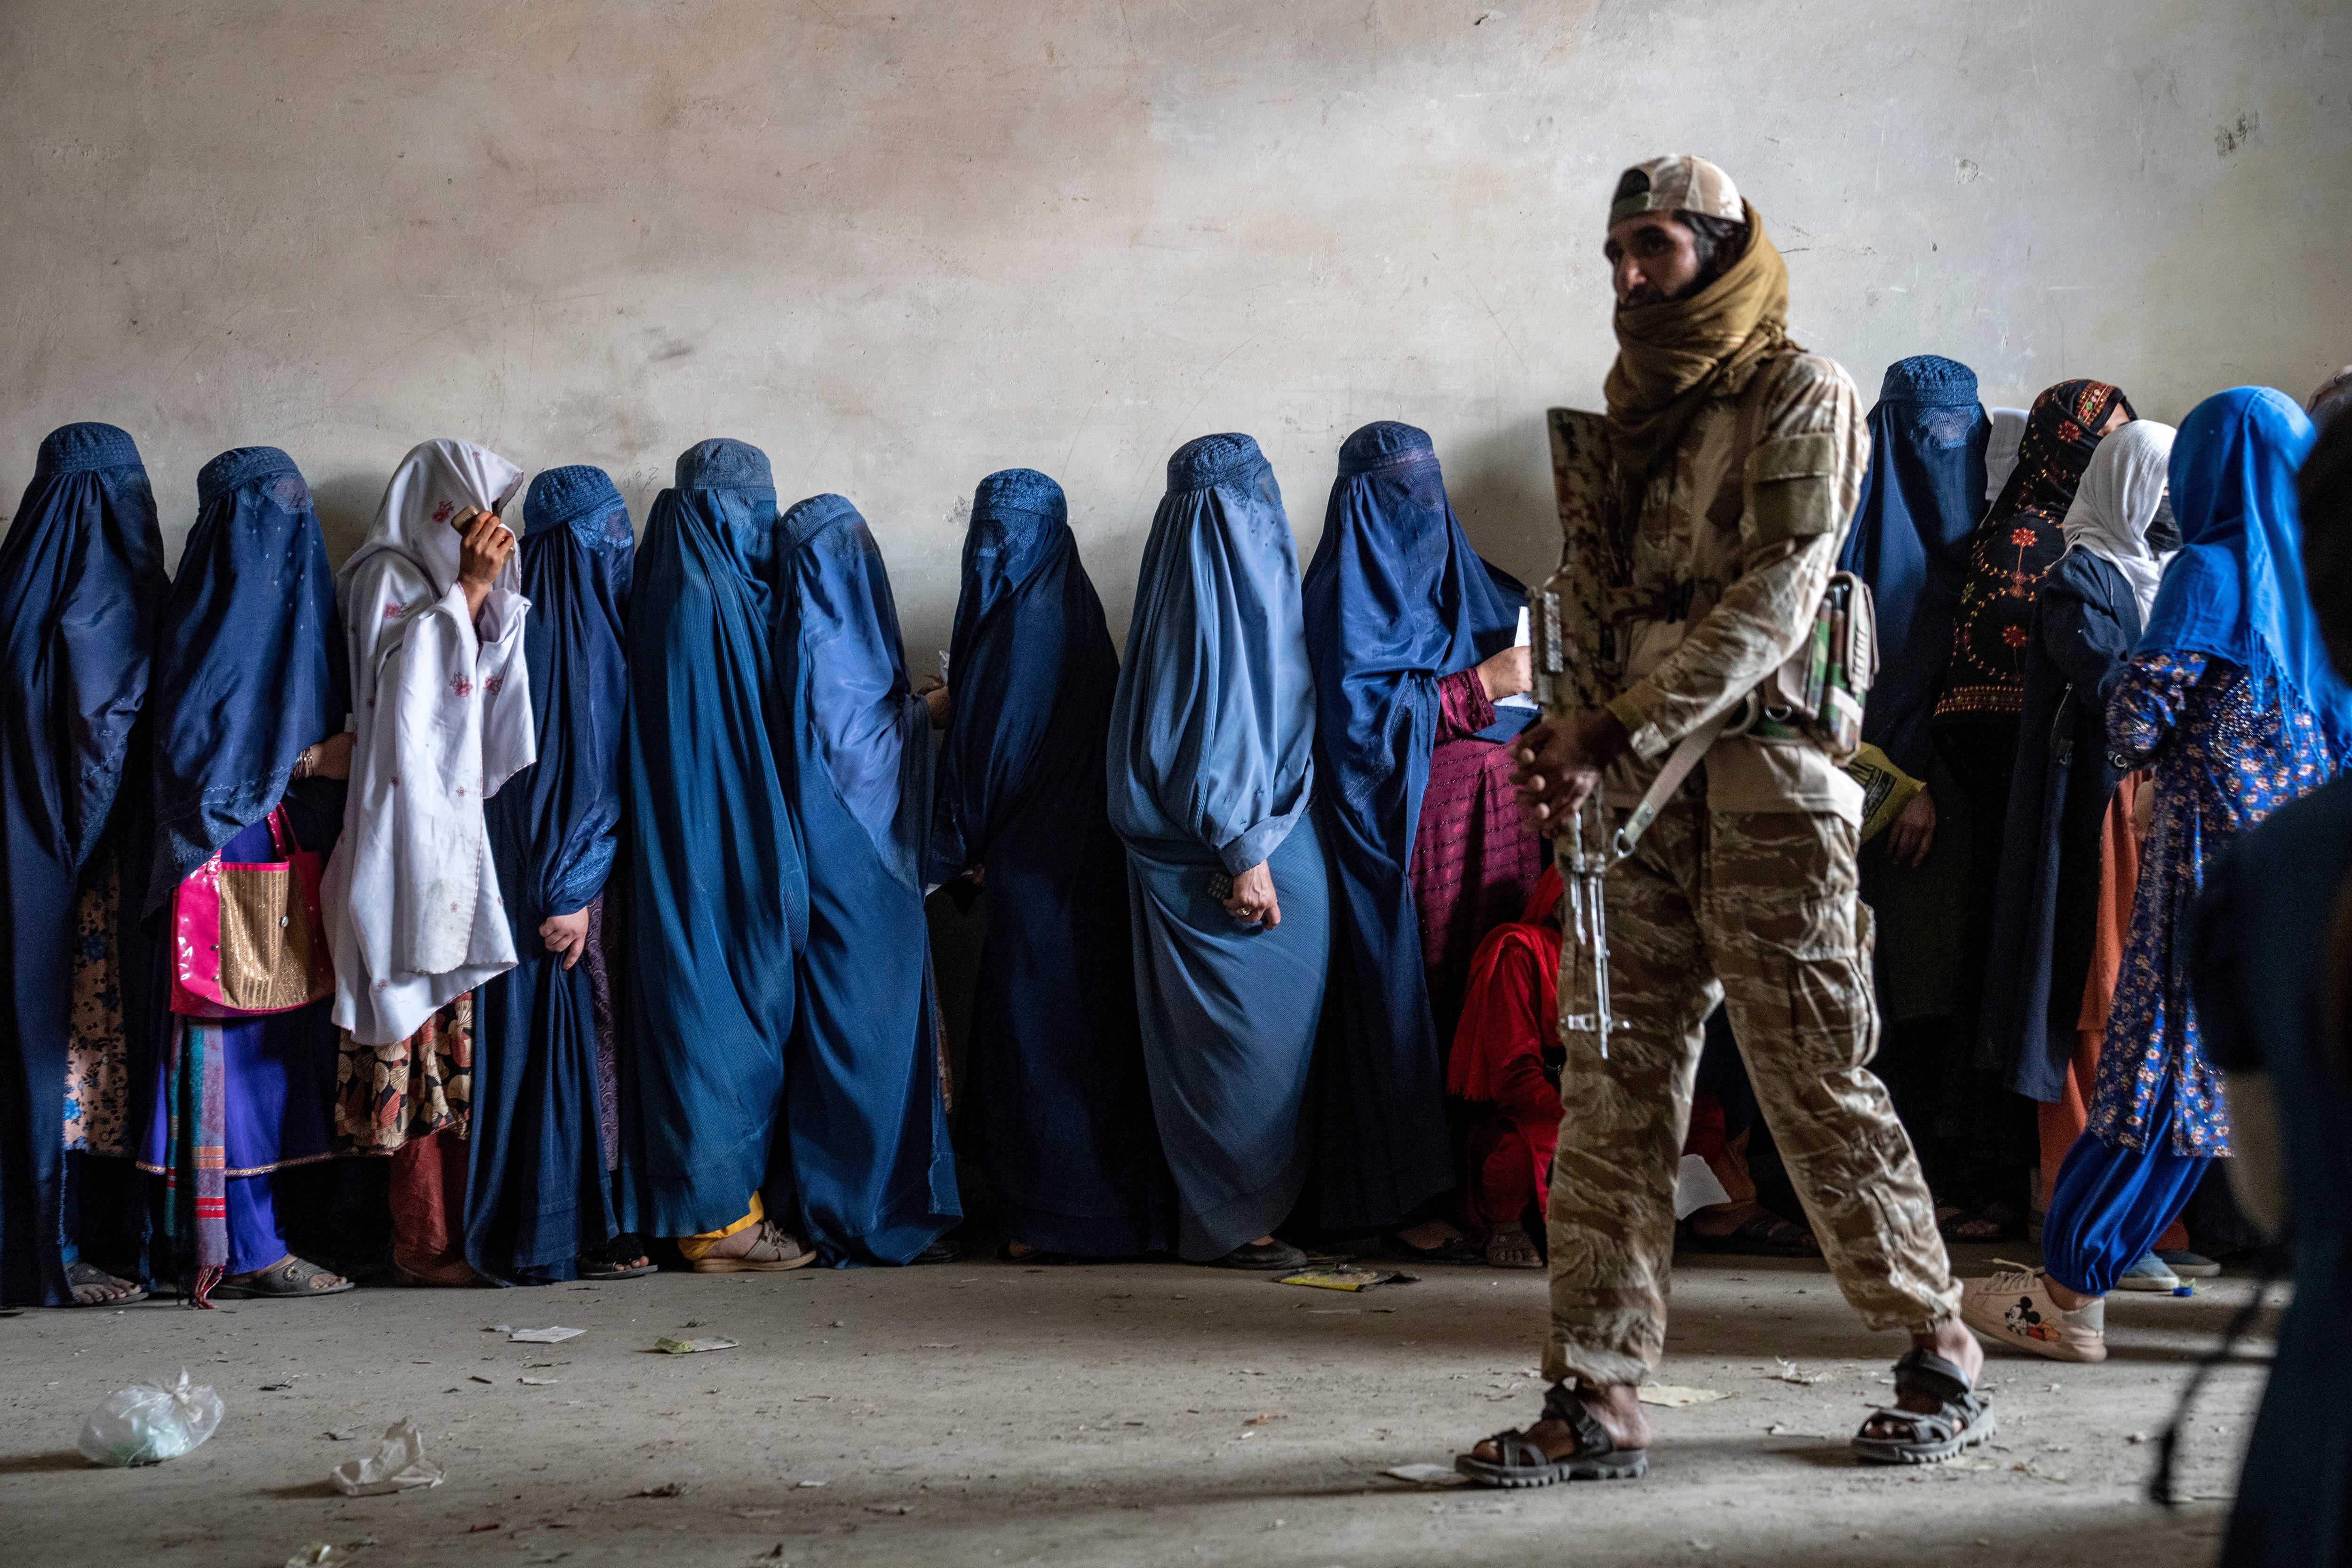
1742, 891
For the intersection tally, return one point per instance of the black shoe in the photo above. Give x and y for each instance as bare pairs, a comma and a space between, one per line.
1262, 1257
941, 1251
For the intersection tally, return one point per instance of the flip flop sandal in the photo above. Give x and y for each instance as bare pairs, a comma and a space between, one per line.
612, 1261
286, 1280
1520, 1461
772, 1253
1759, 1236
79, 1274
1965, 1419
1502, 1251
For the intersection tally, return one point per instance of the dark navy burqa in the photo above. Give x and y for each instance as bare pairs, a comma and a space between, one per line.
536, 1194
1394, 598
872, 1178
1056, 1100
1211, 765
1921, 498
717, 890
81, 581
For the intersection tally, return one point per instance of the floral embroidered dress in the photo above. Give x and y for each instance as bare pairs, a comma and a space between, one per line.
2228, 748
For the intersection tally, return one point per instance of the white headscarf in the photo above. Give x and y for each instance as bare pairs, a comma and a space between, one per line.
2001, 451
2117, 499
441, 713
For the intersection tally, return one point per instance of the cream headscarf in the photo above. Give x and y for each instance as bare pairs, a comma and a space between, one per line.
2117, 501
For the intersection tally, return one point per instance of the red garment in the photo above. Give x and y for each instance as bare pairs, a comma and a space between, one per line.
1475, 860
1497, 1064
428, 1206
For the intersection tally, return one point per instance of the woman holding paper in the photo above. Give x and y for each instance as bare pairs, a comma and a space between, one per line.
1410, 635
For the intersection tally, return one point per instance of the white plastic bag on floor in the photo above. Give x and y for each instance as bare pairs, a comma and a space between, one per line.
148, 1423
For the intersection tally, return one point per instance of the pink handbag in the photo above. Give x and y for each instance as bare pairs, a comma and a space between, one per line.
247, 940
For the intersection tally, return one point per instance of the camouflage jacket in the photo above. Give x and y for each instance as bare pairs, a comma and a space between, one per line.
1753, 561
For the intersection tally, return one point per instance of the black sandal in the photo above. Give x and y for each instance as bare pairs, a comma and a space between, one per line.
1964, 1420
613, 1260
1520, 1461
1455, 1249
289, 1280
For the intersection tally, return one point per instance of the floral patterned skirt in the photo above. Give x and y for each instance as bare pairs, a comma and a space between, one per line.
98, 1052
387, 1094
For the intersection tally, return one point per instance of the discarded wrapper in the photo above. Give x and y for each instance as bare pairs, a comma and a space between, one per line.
398, 1464
1348, 1279
1675, 1398
1427, 1475
320, 1552
550, 1335
689, 1347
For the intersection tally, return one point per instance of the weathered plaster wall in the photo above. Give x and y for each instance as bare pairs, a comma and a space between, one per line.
899, 242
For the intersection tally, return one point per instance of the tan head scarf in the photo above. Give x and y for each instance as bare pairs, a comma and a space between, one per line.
1672, 356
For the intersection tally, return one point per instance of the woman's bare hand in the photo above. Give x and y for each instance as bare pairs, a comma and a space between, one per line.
482, 555
1507, 675
940, 705
567, 934
1913, 833
329, 759
1253, 902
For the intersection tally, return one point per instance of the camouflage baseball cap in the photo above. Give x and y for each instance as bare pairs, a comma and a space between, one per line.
1680, 184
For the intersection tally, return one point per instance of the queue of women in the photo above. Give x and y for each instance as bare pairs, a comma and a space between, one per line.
580, 880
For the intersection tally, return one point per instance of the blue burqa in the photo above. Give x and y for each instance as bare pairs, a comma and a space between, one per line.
1395, 599
1057, 1102
718, 889
2235, 591
81, 580
251, 668
872, 1173
535, 1193
1210, 765
1921, 498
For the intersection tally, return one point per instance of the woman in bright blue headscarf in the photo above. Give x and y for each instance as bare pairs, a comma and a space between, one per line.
1408, 634
546, 1130
1210, 767
718, 892
81, 578
2228, 695
1055, 1095
872, 1173
249, 696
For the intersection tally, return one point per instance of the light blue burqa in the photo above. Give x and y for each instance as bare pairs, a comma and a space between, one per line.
1210, 767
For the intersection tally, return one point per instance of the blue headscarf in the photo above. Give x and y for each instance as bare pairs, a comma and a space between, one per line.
873, 1171
1394, 598
1921, 498
2236, 589
81, 581
1032, 665
717, 894
251, 664
577, 555
1213, 733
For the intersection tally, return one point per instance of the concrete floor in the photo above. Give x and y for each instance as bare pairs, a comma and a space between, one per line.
986, 1413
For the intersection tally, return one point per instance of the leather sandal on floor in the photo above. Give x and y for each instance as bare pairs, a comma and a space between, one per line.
1266, 1260
1964, 1419
772, 1252
1510, 1246
618, 1259
1455, 1248
1520, 1461
286, 1280
1759, 1236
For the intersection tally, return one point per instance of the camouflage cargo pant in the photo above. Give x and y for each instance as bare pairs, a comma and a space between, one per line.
1757, 910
